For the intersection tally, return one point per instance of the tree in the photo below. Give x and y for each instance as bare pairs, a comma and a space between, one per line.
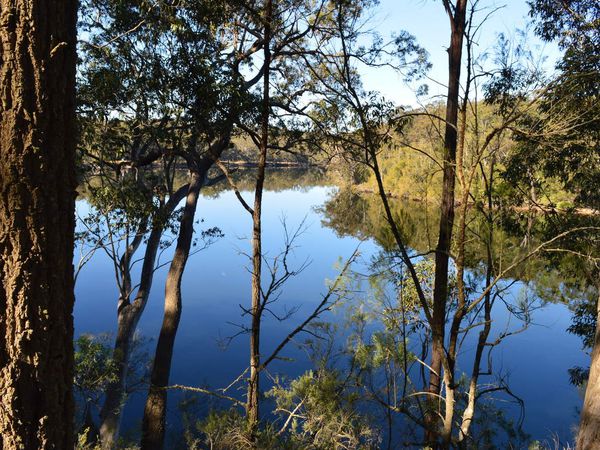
369, 129
285, 30
136, 112
568, 153
574, 153
457, 14
37, 182
282, 26
252, 407
214, 96
132, 212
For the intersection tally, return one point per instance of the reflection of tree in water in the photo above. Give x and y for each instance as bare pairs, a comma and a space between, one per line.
568, 273
276, 180
553, 276
352, 214
577, 261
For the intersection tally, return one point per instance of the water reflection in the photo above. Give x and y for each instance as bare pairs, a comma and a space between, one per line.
533, 363
534, 299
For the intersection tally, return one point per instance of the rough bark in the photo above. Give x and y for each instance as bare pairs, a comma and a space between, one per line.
128, 316
252, 405
37, 194
153, 424
588, 437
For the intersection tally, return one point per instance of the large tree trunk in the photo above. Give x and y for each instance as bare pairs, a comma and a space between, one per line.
153, 425
128, 316
252, 405
442, 254
37, 194
588, 437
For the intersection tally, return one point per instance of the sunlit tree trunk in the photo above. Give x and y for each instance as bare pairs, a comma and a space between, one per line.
252, 406
457, 14
469, 411
588, 437
465, 182
37, 194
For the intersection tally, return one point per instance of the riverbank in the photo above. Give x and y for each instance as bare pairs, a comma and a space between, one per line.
537, 208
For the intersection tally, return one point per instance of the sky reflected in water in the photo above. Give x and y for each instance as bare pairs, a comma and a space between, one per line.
217, 282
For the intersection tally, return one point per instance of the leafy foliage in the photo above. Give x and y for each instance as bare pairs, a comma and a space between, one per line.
563, 138
94, 367
323, 412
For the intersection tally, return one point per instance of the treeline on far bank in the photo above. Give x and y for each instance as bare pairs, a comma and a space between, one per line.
411, 164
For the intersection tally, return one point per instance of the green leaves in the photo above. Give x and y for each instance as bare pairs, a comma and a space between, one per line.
94, 367
383, 349
567, 138
325, 411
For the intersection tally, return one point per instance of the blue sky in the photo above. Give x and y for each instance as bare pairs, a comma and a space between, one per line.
427, 21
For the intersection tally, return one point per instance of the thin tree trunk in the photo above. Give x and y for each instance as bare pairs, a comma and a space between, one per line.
252, 406
37, 195
460, 312
442, 254
153, 425
128, 316
469, 412
588, 437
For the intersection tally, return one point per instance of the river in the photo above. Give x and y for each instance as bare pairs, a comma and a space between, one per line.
216, 288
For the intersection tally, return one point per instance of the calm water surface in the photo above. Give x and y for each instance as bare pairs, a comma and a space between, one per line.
217, 282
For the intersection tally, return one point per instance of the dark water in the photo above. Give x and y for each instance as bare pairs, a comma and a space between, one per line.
216, 282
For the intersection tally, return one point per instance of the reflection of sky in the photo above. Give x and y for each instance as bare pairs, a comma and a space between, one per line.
216, 282
534, 364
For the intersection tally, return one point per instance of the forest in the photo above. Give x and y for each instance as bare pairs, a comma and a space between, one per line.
299, 224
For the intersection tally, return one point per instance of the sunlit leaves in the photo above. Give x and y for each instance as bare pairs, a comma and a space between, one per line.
325, 411
95, 367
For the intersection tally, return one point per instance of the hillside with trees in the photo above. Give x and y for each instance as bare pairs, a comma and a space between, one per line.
151, 151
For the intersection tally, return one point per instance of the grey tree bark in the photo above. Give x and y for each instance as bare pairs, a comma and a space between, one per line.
154, 420
252, 403
153, 425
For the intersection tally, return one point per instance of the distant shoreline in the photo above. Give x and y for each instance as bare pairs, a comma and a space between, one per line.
538, 209
279, 164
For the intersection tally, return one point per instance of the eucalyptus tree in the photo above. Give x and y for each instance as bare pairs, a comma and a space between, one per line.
124, 216
126, 127
286, 30
133, 194
204, 55
252, 402
37, 181
282, 27
363, 125
260, 43
572, 153
160, 85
